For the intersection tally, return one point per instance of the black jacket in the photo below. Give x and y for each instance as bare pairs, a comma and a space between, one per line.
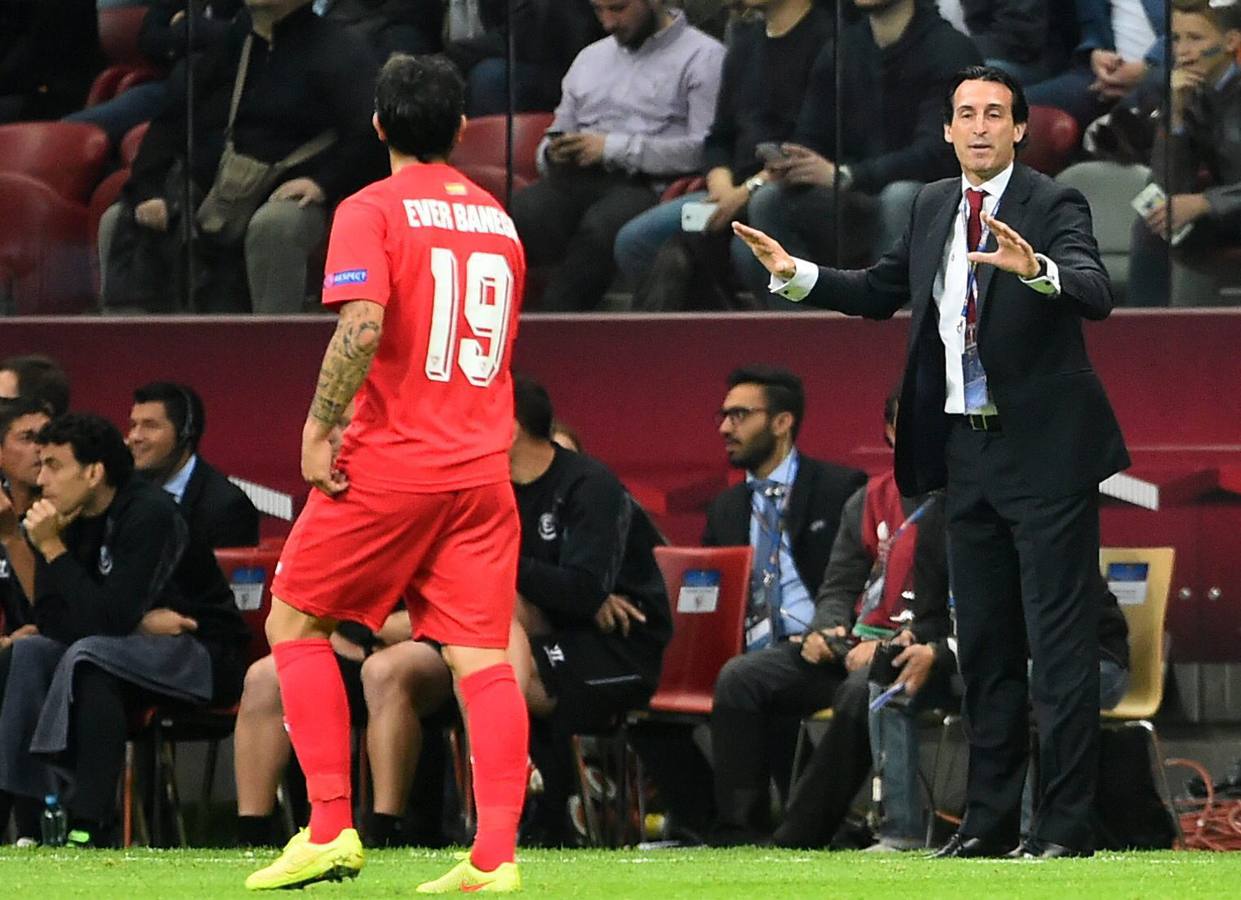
312, 76
894, 98
584, 537
762, 89
133, 558
1051, 403
812, 518
220, 514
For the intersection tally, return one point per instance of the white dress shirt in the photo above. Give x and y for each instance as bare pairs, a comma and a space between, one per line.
948, 291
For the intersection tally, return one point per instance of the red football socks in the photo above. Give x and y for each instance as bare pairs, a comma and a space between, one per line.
499, 744
316, 714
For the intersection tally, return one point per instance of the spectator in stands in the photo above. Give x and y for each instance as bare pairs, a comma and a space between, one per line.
306, 92
128, 608
547, 35
788, 509
38, 377
888, 573
1201, 139
1122, 46
49, 55
634, 110
166, 425
163, 39
1010, 34
20, 423
897, 66
765, 75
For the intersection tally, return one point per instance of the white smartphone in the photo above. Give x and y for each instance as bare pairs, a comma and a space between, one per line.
695, 215
1151, 198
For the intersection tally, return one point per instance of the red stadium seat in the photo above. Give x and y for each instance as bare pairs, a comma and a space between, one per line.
686, 184
492, 180
67, 156
131, 142
483, 143
44, 247
117, 79
704, 635
1052, 140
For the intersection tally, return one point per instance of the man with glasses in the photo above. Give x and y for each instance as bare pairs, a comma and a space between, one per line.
788, 508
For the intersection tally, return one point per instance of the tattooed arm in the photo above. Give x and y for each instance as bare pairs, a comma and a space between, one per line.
348, 357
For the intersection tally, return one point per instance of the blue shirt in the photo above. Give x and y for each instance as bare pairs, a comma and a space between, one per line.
177, 484
796, 604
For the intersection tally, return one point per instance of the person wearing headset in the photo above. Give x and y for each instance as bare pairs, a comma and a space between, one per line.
166, 424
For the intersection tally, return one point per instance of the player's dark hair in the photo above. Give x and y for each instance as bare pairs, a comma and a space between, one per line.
12, 410
532, 407
93, 439
40, 377
1021, 109
420, 101
782, 390
183, 407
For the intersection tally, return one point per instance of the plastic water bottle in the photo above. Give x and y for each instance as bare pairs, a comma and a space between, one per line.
55, 824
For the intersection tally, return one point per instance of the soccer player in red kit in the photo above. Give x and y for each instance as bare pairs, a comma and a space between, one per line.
426, 270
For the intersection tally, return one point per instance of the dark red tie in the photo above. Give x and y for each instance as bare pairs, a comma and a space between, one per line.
973, 234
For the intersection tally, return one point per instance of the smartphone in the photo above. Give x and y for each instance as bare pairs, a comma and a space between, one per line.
769, 151
695, 215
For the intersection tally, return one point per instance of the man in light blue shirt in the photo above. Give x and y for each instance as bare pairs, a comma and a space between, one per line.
634, 112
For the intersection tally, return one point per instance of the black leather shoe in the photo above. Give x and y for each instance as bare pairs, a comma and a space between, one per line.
1049, 850
962, 846
1033, 849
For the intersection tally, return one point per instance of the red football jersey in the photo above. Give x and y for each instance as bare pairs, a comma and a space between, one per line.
435, 412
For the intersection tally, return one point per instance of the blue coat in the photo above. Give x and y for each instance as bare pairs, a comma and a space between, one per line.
1095, 19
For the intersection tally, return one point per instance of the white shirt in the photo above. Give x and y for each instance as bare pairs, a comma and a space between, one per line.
1132, 31
948, 291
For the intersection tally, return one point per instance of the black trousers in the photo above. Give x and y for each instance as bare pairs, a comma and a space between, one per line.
1023, 571
820, 797
569, 220
760, 699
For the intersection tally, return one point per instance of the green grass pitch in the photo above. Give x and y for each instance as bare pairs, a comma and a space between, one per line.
642, 874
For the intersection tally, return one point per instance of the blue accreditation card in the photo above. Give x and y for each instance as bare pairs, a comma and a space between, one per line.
975, 378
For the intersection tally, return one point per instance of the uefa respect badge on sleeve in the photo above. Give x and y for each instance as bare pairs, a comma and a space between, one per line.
700, 591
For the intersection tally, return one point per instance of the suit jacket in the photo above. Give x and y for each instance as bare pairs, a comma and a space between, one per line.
812, 516
1051, 402
220, 514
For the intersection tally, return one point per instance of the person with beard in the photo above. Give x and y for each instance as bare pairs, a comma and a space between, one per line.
788, 508
166, 424
634, 112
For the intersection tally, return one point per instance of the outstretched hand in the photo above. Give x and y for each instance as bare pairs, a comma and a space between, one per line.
1012, 253
767, 250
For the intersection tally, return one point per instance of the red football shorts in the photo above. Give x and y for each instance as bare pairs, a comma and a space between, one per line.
452, 555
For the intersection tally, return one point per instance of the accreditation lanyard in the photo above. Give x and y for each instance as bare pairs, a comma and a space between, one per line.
971, 277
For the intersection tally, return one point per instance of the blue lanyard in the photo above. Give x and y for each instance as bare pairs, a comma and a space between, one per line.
971, 279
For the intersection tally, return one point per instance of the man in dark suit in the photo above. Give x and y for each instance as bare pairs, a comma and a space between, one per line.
165, 426
999, 402
788, 509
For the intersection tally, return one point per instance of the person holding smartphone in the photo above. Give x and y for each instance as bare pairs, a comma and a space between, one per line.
764, 82
633, 113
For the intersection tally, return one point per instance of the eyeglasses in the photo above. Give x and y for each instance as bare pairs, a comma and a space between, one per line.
736, 414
